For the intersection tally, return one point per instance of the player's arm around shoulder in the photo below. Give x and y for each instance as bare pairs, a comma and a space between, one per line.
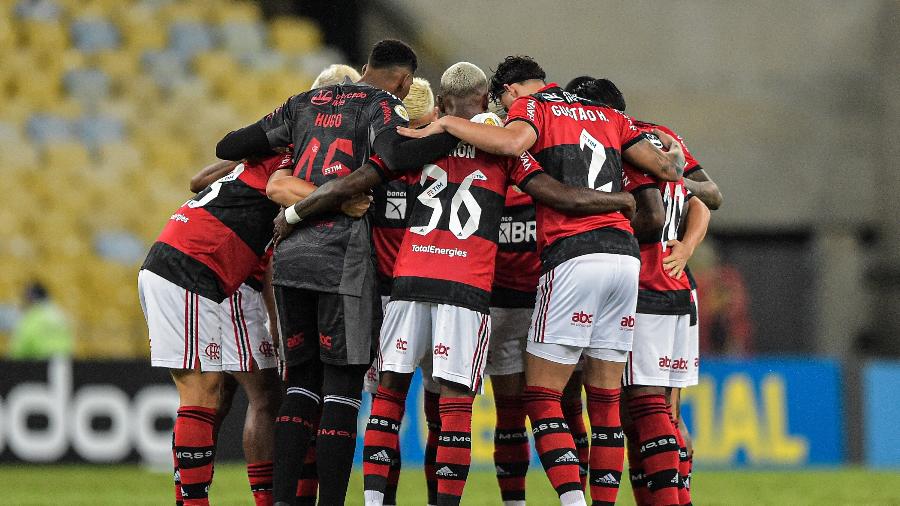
703, 187
666, 165
576, 200
286, 190
209, 174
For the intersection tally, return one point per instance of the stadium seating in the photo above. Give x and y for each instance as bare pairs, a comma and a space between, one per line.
109, 106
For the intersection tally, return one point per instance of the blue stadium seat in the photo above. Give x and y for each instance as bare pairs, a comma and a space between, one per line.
94, 34
38, 10
94, 131
188, 38
46, 128
262, 61
167, 68
243, 36
89, 86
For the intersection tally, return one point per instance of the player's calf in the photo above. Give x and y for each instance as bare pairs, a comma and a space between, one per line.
658, 445
511, 448
454, 450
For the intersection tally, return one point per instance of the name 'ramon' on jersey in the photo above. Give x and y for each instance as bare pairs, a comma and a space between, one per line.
448, 251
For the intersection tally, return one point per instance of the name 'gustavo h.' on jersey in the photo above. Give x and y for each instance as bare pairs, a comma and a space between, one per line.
332, 129
579, 143
216, 240
449, 249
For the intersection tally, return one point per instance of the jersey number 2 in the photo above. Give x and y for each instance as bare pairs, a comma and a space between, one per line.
463, 196
212, 191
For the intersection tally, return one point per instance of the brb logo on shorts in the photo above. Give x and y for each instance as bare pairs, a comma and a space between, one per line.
582, 319
401, 344
627, 323
442, 351
213, 351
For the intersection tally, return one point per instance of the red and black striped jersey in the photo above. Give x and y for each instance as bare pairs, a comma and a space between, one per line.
388, 226
213, 242
518, 263
579, 143
449, 248
658, 292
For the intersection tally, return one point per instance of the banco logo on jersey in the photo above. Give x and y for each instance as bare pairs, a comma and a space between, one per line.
627, 323
322, 97
582, 319
442, 351
513, 232
395, 208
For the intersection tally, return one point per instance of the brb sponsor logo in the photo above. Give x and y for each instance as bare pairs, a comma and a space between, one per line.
582, 319
675, 364
513, 232
442, 351
96, 422
627, 323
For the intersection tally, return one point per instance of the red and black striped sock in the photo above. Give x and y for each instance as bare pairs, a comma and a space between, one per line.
454, 451
308, 484
658, 446
260, 475
433, 419
635, 469
684, 493
554, 442
607, 444
393, 479
573, 411
177, 475
195, 452
689, 474
511, 449
381, 442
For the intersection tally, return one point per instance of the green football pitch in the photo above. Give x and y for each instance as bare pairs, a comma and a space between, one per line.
133, 485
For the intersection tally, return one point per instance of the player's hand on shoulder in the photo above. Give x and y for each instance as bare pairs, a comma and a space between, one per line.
675, 263
435, 127
357, 205
667, 140
282, 227
630, 205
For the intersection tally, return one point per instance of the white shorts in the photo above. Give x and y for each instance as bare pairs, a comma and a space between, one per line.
587, 302
189, 331
659, 356
246, 341
571, 355
455, 339
691, 347
509, 332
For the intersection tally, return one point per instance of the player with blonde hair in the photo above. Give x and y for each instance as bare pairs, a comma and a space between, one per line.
335, 74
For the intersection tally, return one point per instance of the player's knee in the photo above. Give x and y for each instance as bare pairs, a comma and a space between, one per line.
307, 376
344, 381
395, 381
451, 389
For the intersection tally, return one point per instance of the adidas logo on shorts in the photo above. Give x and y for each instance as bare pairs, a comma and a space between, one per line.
445, 472
381, 456
567, 457
607, 479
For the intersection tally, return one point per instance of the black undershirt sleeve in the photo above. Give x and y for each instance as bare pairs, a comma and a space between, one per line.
239, 144
402, 154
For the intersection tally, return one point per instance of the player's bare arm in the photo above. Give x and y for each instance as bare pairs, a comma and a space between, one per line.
703, 187
286, 190
650, 215
209, 174
577, 200
665, 165
696, 222
268, 294
511, 140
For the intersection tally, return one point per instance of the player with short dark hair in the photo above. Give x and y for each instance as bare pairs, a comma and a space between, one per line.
588, 289
324, 273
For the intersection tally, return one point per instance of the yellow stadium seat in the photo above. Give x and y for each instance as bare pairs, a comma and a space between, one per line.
38, 90
216, 66
120, 65
8, 32
295, 35
141, 29
15, 110
283, 85
67, 108
21, 155
120, 156
44, 36
237, 11
183, 11
67, 156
